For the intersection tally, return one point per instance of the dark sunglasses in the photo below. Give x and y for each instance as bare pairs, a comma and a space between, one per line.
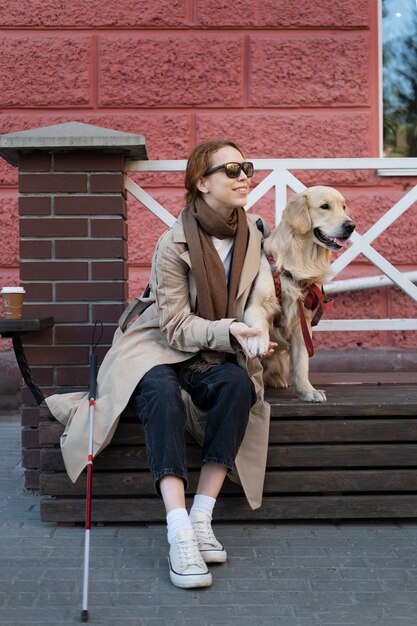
232, 169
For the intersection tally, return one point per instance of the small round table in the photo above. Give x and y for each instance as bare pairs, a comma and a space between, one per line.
14, 329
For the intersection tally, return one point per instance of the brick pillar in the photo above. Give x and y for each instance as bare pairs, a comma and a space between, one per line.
73, 258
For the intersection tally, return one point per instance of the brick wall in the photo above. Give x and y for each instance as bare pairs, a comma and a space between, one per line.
73, 251
283, 79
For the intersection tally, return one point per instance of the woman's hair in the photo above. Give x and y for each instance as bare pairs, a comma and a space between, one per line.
198, 162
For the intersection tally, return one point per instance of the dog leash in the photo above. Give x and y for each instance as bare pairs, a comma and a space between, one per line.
277, 285
314, 299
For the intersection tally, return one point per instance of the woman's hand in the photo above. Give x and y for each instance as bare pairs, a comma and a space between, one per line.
241, 332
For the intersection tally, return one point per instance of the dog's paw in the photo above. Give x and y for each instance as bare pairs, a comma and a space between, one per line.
258, 345
315, 395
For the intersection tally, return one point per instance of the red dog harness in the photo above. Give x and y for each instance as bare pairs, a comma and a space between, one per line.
313, 299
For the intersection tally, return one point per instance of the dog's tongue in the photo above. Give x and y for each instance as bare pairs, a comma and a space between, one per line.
341, 242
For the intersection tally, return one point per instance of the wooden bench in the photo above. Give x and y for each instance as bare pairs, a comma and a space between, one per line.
352, 457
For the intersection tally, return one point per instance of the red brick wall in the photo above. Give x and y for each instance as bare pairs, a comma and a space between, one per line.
283, 79
73, 264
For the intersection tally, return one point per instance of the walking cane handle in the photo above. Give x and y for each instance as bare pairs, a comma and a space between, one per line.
93, 377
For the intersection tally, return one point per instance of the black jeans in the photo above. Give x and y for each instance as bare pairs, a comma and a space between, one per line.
224, 391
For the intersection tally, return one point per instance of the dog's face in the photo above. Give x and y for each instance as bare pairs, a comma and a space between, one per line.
321, 213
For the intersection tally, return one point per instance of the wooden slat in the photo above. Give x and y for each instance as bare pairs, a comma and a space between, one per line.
337, 480
343, 431
281, 431
114, 457
296, 456
114, 484
127, 457
347, 400
236, 508
104, 484
127, 433
140, 483
355, 455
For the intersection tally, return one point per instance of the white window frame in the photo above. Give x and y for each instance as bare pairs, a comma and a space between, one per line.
386, 171
380, 84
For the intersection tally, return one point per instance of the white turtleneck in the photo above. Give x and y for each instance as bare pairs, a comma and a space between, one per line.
224, 249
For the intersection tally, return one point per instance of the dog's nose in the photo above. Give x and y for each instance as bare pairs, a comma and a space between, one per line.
349, 226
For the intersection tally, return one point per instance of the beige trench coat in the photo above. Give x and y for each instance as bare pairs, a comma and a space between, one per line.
161, 335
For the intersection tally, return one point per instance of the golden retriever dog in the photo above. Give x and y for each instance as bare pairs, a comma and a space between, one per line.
314, 223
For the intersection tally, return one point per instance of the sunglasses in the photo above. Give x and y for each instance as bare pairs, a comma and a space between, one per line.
232, 169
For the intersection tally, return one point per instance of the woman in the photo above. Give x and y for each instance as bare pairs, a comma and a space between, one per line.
190, 337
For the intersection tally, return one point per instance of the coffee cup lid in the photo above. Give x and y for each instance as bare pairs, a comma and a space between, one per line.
13, 290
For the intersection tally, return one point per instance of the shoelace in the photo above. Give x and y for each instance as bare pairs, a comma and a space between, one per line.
188, 553
205, 533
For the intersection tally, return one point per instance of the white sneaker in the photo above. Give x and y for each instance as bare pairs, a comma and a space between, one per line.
186, 566
211, 550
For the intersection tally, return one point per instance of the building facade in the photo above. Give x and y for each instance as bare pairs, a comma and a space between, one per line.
282, 79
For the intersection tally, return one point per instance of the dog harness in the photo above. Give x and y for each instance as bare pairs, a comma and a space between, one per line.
312, 298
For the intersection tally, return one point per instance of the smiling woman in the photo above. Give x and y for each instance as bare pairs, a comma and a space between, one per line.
183, 360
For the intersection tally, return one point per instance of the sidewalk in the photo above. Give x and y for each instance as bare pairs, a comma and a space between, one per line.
284, 574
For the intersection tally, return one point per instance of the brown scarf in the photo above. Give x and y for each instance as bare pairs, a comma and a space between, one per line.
215, 299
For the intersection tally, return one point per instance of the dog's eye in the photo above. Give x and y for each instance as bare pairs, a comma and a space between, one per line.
325, 206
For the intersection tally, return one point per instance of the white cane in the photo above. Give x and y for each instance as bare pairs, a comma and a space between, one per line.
92, 402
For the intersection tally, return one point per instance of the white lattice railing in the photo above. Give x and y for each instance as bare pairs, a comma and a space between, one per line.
280, 179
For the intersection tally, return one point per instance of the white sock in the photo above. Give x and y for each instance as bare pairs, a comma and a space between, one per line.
203, 504
177, 520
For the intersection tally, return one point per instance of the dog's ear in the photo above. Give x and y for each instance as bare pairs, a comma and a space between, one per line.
297, 215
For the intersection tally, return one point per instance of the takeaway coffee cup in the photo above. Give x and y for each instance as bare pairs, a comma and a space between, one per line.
13, 302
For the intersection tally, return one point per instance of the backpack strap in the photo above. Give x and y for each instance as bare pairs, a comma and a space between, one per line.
260, 225
136, 307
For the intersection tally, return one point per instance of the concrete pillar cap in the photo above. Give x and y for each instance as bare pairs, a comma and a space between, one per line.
72, 136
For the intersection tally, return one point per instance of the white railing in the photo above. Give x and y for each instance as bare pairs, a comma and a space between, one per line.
281, 179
